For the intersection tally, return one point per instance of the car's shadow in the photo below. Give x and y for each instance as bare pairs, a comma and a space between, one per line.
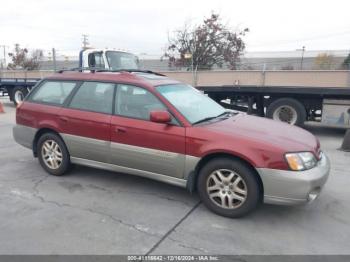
115, 182
108, 181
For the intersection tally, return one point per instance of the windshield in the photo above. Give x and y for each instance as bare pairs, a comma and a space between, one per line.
120, 60
191, 103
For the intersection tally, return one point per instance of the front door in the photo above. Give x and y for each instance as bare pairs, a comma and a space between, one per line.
139, 144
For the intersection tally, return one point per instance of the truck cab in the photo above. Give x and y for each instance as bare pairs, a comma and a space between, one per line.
107, 59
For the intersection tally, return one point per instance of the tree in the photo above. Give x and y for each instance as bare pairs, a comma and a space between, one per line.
346, 63
206, 45
324, 61
20, 59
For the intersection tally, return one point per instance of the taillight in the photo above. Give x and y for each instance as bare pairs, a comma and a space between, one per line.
19, 104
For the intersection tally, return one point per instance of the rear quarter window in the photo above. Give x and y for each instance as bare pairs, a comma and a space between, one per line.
53, 92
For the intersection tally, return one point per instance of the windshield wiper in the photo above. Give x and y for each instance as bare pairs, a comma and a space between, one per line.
224, 113
228, 113
213, 117
204, 120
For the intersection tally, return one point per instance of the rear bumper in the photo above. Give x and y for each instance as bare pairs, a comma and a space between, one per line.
284, 187
24, 135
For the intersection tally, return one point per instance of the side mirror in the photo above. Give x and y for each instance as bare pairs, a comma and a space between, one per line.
160, 117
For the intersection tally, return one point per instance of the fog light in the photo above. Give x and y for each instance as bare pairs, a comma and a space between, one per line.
313, 194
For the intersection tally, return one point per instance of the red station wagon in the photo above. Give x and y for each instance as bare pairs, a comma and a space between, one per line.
146, 124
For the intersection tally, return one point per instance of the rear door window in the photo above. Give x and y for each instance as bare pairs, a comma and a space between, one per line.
95, 97
53, 92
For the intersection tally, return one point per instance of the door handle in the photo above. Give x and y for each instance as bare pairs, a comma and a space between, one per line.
63, 119
120, 130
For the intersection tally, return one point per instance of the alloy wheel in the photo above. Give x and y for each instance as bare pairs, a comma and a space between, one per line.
51, 154
226, 189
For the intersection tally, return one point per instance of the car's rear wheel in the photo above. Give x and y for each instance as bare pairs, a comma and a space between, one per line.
53, 154
228, 187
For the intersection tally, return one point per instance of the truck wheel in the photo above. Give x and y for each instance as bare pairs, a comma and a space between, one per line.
53, 154
18, 94
228, 187
287, 110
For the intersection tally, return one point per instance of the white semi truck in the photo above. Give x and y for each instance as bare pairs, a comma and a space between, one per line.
107, 59
18, 88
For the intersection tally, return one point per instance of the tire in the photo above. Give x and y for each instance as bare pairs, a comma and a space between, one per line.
225, 203
18, 94
58, 155
287, 110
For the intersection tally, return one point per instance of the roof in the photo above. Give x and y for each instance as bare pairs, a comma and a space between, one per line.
134, 78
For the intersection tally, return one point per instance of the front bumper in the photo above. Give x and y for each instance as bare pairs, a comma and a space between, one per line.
285, 187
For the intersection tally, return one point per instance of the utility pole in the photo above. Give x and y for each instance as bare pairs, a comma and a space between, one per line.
4, 49
54, 59
190, 56
302, 57
194, 70
85, 41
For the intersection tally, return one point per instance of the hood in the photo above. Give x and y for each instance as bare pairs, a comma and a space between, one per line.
266, 131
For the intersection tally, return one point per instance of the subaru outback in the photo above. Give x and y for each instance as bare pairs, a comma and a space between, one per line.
146, 124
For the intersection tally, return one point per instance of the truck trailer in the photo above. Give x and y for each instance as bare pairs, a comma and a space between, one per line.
292, 96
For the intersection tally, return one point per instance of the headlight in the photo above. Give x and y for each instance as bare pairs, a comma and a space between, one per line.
301, 161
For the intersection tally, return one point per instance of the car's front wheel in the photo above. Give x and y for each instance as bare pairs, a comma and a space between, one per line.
228, 187
53, 154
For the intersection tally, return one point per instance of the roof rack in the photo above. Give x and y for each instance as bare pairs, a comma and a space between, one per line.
100, 70
130, 71
80, 69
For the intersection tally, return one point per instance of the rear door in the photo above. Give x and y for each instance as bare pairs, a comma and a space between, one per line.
137, 143
86, 121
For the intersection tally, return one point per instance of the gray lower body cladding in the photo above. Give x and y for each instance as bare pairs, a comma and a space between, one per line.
280, 186
294, 187
24, 135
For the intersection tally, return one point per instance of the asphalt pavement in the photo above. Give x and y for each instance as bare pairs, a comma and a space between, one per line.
90, 211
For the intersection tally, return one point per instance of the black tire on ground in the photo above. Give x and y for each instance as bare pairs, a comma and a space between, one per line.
251, 184
298, 112
18, 94
64, 165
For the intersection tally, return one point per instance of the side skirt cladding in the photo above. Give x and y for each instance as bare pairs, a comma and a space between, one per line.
163, 178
